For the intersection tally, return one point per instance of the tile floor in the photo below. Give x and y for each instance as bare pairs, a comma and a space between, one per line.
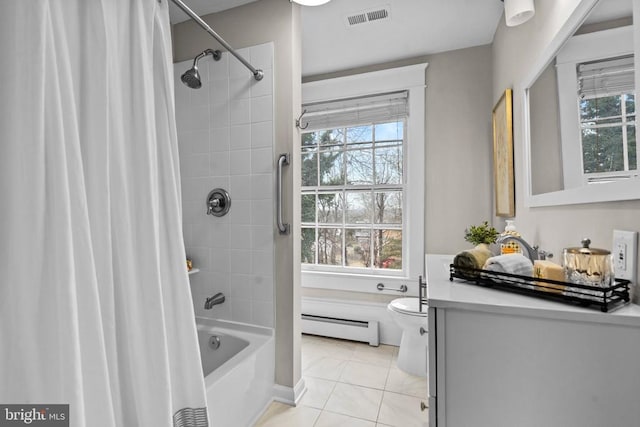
351, 384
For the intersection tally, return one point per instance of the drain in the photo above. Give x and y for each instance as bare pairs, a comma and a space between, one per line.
214, 342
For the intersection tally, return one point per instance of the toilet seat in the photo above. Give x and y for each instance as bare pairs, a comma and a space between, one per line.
408, 306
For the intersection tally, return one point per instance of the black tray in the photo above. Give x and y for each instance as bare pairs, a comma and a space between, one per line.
604, 298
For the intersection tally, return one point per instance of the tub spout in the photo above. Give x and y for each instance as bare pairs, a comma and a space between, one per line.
214, 300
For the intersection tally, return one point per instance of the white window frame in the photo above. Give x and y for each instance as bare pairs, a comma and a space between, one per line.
579, 49
412, 79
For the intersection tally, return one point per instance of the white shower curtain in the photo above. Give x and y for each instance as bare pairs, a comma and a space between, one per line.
95, 306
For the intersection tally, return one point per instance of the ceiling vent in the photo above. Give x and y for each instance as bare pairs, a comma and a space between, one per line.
377, 14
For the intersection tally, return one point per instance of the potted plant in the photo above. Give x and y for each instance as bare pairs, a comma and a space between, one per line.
482, 234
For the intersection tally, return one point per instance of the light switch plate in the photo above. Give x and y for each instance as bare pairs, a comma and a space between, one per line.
625, 254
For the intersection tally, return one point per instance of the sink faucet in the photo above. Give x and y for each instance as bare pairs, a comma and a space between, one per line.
214, 300
531, 252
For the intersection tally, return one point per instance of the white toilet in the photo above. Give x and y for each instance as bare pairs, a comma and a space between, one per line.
412, 357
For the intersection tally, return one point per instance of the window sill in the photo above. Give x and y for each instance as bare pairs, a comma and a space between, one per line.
358, 282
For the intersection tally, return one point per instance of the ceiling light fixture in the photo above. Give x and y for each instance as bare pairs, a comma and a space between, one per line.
518, 12
310, 2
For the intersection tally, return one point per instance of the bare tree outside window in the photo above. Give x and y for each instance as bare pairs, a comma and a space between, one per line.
352, 196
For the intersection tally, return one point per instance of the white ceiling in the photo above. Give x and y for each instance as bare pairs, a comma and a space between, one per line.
203, 7
415, 27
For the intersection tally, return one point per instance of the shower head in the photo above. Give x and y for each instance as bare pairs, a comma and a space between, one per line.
191, 77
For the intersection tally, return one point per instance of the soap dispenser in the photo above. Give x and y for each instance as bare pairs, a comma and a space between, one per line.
510, 246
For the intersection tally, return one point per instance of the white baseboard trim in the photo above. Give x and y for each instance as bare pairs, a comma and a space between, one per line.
390, 333
289, 395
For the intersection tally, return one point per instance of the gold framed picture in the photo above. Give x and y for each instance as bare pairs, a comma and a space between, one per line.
504, 183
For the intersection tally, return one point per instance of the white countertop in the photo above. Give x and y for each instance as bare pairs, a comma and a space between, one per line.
443, 293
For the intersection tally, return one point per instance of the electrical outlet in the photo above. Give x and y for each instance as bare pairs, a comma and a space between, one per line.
625, 254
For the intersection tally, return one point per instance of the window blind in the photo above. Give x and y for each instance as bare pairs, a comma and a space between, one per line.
356, 111
607, 77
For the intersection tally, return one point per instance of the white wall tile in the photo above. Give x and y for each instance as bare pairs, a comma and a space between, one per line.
240, 286
219, 237
262, 134
187, 234
262, 288
219, 70
240, 137
240, 187
220, 259
262, 109
240, 261
182, 94
237, 68
201, 257
195, 165
198, 118
226, 140
200, 97
264, 86
201, 235
240, 237
183, 118
191, 212
241, 310
262, 212
240, 162
262, 313
261, 237
221, 311
219, 92
189, 192
240, 111
262, 187
203, 68
198, 141
240, 212
241, 87
262, 263
219, 115
220, 139
262, 160
219, 163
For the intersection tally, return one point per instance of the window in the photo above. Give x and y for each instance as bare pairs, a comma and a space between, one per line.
352, 196
596, 95
361, 182
607, 118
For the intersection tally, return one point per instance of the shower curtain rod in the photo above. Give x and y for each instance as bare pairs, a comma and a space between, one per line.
257, 74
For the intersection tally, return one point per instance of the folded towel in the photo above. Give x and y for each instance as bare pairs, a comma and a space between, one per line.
472, 258
511, 264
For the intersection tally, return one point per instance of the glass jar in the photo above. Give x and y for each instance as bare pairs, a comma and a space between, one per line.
588, 266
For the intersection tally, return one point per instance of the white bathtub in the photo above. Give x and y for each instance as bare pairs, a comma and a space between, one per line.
239, 375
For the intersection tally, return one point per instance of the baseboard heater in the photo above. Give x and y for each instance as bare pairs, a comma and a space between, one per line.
355, 330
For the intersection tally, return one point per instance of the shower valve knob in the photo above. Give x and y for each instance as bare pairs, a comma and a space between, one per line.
218, 202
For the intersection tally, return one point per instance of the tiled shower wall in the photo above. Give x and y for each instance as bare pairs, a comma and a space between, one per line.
225, 138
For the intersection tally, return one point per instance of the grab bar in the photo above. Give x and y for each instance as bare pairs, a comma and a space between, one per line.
422, 293
402, 288
283, 160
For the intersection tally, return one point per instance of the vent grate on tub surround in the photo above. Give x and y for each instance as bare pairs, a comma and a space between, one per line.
367, 16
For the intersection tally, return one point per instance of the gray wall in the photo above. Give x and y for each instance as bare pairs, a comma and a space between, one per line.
458, 180
546, 148
553, 228
248, 25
